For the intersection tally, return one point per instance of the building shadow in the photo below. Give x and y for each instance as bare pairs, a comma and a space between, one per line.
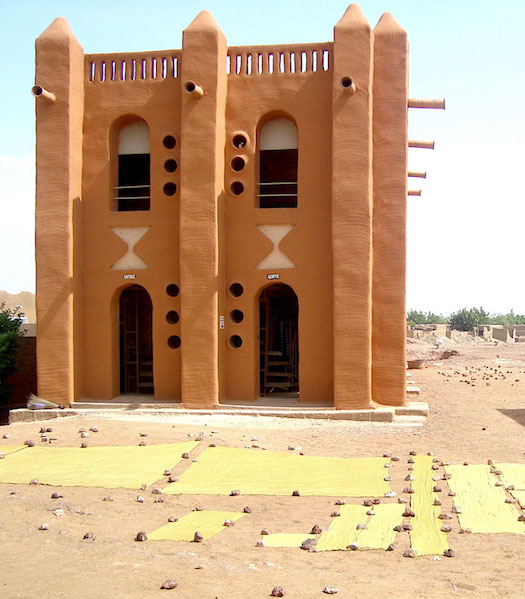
518, 415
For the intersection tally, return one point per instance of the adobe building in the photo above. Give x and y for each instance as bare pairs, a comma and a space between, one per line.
223, 223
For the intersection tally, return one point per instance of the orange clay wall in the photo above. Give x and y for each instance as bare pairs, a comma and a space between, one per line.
348, 237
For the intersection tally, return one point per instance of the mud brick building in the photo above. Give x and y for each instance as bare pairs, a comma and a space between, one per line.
223, 223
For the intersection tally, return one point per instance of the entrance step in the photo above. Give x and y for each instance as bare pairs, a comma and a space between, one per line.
413, 408
413, 391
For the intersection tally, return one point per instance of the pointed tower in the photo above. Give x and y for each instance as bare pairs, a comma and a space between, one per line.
390, 92
203, 115
60, 71
352, 209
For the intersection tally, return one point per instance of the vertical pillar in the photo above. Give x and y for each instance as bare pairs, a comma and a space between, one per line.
352, 209
389, 223
202, 181
59, 69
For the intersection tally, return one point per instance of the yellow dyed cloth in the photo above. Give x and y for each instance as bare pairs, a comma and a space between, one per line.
208, 523
482, 503
108, 467
378, 534
519, 496
222, 469
342, 531
512, 474
285, 539
425, 537
7, 449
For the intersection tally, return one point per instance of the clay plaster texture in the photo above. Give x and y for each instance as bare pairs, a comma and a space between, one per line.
209, 270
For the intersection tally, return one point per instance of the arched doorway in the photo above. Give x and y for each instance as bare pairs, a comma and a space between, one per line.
279, 340
136, 345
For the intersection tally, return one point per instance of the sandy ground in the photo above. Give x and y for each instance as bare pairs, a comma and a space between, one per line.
470, 422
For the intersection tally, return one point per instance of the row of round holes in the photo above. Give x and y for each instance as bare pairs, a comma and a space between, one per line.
238, 163
172, 316
237, 316
170, 166
236, 290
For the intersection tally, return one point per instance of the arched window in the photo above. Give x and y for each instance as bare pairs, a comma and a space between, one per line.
133, 186
278, 156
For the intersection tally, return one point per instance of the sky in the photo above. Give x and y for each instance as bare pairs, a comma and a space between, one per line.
465, 233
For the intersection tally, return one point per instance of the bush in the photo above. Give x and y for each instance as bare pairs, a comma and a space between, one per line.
10, 322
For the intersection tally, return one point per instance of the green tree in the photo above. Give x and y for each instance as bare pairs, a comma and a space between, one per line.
466, 320
507, 320
10, 323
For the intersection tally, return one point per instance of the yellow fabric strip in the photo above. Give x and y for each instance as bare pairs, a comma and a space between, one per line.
425, 537
513, 474
208, 523
380, 531
223, 469
482, 503
342, 531
519, 496
286, 539
378, 534
7, 449
108, 467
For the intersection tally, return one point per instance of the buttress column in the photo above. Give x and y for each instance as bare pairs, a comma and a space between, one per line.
352, 209
204, 87
389, 225
60, 71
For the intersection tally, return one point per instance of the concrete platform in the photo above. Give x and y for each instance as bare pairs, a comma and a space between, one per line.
97, 409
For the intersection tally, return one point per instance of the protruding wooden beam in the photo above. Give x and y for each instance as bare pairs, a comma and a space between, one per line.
429, 145
420, 175
417, 103
414, 192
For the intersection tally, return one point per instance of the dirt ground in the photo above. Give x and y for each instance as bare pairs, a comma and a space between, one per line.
477, 402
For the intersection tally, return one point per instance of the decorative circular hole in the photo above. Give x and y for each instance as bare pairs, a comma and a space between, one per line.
238, 163
170, 165
174, 341
169, 142
235, 341
237, 188
170, 189
240, 141
346, 81
236, 289
236, 316
172, 290
172, 317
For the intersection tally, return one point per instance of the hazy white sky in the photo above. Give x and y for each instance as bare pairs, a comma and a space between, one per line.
466, 232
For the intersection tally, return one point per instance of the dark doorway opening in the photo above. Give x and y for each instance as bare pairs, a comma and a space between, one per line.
279, 340
136, 345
